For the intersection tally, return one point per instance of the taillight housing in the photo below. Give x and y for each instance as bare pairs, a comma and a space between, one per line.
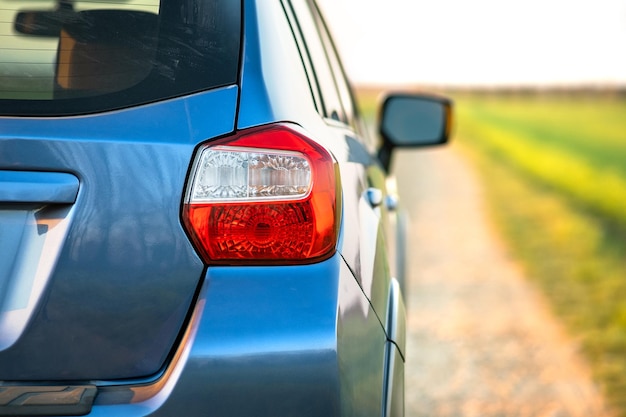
267, 195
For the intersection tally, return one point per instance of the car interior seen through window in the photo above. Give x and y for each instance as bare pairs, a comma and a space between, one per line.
81, 56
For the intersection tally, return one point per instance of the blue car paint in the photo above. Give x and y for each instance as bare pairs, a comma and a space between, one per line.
271, 59
296, 340
122, 261
274, 85
37, 187
184, 121
265, 341
362, 237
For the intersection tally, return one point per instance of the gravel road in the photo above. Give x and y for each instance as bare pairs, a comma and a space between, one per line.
482, 341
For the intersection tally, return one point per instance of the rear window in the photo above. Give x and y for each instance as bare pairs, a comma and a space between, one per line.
67, 57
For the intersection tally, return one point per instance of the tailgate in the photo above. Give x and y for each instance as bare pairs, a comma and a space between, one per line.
97, 275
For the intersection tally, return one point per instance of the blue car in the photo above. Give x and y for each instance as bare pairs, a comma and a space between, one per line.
194, 220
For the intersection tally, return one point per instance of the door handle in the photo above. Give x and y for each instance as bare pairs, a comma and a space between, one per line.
374, 197
37, 187
391, 202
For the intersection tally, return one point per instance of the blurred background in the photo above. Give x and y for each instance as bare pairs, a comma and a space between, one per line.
540, 101
481, 42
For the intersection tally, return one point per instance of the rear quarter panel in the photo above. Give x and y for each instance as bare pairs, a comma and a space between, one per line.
275, 88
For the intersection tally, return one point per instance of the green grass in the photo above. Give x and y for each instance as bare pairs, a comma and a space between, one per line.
554, 170
578, 149
554, 173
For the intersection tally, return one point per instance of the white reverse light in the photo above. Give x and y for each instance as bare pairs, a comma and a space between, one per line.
229, 173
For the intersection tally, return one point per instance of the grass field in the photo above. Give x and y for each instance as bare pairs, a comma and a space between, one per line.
554, 172
554, 167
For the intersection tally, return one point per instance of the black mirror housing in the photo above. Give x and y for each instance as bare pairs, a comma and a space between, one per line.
413, 120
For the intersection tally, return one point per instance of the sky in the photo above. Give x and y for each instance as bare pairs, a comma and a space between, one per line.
481, 42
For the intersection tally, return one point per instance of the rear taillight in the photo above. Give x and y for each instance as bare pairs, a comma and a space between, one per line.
267, 195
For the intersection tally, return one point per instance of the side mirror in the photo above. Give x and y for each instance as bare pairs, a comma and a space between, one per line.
411, 121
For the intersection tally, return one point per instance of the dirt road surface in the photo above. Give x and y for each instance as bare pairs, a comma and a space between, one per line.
481, 339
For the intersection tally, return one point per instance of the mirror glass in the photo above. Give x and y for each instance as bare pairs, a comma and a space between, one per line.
414, 120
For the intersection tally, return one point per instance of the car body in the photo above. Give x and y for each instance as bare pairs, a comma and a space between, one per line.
193, 218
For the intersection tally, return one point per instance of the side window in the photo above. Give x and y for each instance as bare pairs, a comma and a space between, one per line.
317, 54
341, 82
304, 56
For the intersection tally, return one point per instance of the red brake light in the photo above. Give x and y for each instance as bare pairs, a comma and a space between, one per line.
265, 196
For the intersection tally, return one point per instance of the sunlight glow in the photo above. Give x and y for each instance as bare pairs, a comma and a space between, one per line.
484, 42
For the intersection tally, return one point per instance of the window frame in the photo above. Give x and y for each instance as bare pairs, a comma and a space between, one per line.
318, 67
342, 84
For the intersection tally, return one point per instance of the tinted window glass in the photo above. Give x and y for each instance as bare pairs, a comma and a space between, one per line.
69, 57
340, 79
305, 59
323, 73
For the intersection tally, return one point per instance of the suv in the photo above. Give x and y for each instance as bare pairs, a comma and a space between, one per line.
193, 218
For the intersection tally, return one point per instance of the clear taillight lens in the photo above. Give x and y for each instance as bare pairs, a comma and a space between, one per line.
267, 195
229, 173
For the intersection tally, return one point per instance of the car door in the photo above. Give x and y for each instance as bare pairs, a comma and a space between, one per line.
366, 225
365, 214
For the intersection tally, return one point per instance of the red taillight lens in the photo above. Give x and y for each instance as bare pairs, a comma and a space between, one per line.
267, 195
